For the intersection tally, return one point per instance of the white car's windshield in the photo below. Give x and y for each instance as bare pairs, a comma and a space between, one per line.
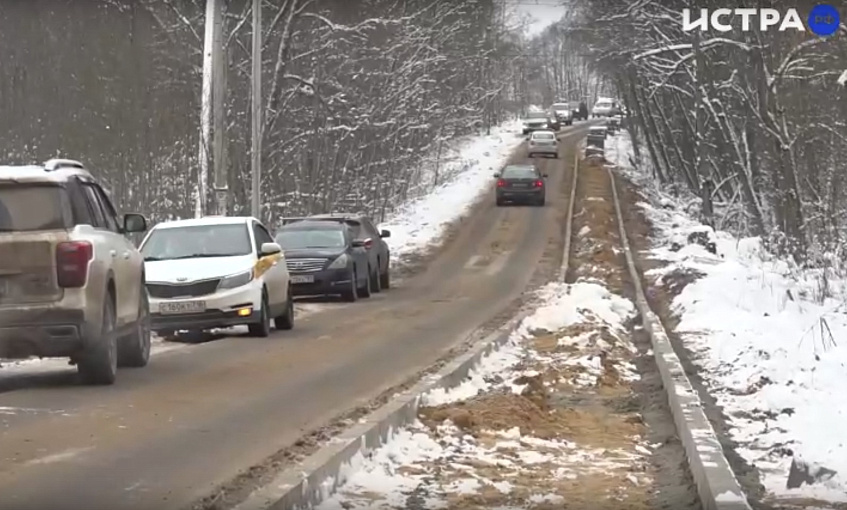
543, 136
604, 105
561, 106
302, 239
197, 241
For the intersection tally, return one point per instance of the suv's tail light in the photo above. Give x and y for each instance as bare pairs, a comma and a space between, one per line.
500, 183
72, 259
368, 243
539, 184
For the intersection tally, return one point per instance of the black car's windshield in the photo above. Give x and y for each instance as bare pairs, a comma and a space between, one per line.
519, 172
29, 207
197, 241
300, 239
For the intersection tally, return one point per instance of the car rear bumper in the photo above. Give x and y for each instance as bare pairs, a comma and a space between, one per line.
42, 331
552, 151
517, 195
325, 282
217, 310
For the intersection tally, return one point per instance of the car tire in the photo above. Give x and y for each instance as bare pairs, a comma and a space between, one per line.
365, 290
134, 349
286, 320
99, 364
352, 294
262, 328
541, 202
376, 281
385, 278
499, 202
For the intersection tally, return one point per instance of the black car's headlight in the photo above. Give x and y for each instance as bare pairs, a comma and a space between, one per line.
340, 263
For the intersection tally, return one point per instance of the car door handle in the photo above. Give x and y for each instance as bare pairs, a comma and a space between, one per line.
113, 253
126, 255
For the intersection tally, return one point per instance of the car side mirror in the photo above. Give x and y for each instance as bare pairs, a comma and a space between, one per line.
385, 233
544, 175
134, 223
497, 175
270, 249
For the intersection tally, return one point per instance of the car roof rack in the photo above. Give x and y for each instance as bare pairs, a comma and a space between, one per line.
57, 164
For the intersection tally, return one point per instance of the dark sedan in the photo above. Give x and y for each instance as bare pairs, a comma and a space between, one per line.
324, 259
521, 184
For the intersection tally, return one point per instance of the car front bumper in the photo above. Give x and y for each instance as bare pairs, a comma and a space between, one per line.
45, 331
321, 283
231, 307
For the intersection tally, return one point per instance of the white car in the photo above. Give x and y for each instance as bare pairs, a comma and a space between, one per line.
604, 108
216, 272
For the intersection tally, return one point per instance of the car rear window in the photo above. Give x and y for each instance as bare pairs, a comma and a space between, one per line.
519, 172
543, 136
32, 207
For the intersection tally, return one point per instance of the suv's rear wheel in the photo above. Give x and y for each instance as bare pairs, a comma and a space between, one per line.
352, 293
365, 290
99, 363
134, 349
385, 278
262, 328
376, 280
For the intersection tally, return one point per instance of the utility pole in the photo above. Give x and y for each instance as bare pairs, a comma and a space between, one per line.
256, 78
219, 110
205, 111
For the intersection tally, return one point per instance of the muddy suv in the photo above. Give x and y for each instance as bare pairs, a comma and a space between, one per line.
71, 283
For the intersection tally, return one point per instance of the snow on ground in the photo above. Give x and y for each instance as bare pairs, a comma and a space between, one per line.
530, 427
466, 172
769, 344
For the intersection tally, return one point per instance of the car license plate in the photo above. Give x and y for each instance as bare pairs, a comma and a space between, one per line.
521, 185
182, 307
303, 278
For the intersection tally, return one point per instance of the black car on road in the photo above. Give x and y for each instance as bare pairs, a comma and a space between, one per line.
323, 259
521, 184
372, 242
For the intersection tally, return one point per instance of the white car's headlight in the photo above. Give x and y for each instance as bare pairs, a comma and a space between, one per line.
340, 262
236, 280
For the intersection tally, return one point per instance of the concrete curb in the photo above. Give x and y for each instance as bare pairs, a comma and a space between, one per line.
716, 483
318, 477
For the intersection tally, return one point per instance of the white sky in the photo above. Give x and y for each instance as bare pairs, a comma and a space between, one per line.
543, 12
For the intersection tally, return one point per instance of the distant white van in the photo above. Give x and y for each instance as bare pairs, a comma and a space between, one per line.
605, 107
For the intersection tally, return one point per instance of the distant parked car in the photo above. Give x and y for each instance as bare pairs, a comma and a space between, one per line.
563, 113
543, 142
536, 121
324, 258
71, 283
604, 108
520, 184
216, 272
372, 241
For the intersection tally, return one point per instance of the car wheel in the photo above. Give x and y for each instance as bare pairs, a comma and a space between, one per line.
365, 290
385, 278
376, 281
262, 328
499, 202
286, 320
99, 364
134, 350
540, 202
352, 294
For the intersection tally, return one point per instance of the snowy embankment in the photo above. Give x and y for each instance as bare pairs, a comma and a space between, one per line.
465, 172
771, 349
530, 427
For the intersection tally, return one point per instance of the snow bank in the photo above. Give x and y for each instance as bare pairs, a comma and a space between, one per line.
772, 351
438, 461
421, 223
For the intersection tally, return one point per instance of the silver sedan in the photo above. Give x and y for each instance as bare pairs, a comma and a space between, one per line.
543, 142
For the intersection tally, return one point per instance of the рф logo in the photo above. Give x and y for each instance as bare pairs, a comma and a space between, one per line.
823, 20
